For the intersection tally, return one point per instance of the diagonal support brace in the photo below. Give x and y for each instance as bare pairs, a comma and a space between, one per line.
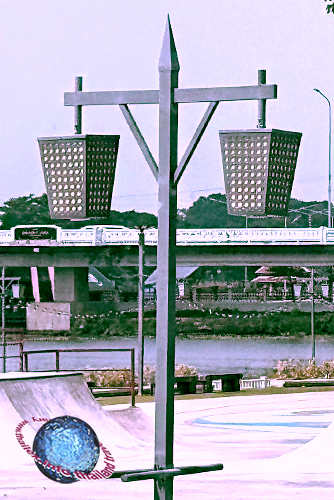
140, 139
195, 140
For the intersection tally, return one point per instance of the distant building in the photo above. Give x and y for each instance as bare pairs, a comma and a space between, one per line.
100, 287
182, 274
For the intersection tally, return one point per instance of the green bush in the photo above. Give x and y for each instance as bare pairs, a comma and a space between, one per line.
206, 322
185, 371
180, 371
149, 374
294, 369
117, 378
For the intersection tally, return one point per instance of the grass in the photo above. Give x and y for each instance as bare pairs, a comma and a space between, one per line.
115, 400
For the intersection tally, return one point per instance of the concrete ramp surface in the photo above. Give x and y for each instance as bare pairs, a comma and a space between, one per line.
49, 395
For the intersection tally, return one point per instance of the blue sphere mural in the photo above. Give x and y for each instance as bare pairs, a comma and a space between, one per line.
65, 445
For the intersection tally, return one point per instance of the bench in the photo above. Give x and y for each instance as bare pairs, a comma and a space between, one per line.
184, 385
102, 392
230, 382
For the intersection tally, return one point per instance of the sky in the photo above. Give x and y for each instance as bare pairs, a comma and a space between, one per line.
115, 45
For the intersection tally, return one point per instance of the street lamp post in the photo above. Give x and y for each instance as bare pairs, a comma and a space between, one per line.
5, 284
312, 314
3, 320
168, 172
329, 158
141, 251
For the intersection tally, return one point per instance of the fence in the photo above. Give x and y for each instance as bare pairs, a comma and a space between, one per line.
260, 296
20, 355
255, 383
24, 361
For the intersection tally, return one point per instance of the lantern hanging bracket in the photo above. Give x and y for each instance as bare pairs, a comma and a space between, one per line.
195, 140
140, 139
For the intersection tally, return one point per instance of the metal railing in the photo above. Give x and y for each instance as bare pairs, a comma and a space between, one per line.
20, 355
260, 296
25, 364
255, 383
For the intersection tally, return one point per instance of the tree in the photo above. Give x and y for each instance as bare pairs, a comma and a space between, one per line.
330, 6
34, 210
25, 210
132, 219
206, 212
211, 212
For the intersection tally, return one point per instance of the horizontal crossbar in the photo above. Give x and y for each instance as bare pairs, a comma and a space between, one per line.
142, 474
180, 95
226, 94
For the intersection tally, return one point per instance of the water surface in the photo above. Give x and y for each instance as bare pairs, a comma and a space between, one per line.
250, 356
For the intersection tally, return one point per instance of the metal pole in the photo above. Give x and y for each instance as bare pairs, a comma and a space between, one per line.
261, 80
312, 314
166, 259
133, 394
26, 368
329, 223
4, 345
78, 109
141, 312
330, 167
246, 278
21, 356
57, 361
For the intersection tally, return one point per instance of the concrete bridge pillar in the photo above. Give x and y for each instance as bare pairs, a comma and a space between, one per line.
71, 284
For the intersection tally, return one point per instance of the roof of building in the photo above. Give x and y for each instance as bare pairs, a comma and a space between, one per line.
98, 282
182, 272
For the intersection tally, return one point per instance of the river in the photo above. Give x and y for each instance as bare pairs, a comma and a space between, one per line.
251, 356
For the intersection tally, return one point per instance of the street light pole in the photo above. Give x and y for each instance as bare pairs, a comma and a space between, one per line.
3, 288
329, 158
312, 314
141, 310
166, 263
4, 343
168, 172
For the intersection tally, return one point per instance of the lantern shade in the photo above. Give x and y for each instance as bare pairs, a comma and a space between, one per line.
79, 174
259, 167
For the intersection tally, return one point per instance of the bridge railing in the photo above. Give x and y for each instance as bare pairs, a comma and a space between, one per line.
5, 237
78, 237
120, 236
106, 235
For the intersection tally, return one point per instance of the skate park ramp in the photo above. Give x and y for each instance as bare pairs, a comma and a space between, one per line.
128, 434
306, 472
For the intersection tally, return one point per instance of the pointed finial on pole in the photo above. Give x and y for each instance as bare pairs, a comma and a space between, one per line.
168, 56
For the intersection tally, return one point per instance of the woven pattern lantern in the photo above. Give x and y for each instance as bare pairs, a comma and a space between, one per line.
79, 174
259, 167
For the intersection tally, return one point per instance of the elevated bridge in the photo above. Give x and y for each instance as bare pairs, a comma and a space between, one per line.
69, 253
45, 246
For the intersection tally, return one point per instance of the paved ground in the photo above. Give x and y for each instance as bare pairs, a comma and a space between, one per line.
273, 447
